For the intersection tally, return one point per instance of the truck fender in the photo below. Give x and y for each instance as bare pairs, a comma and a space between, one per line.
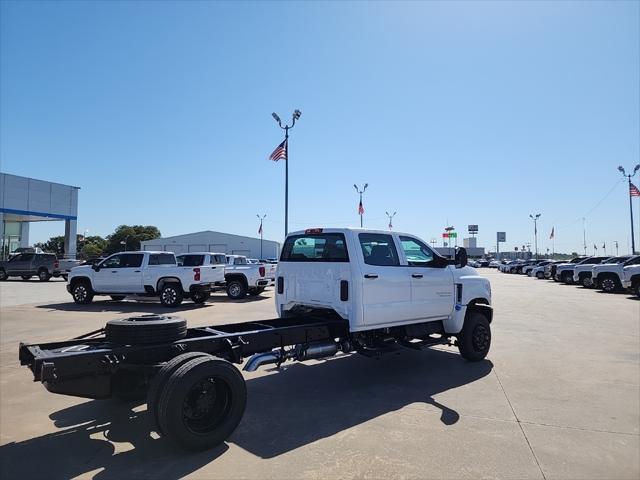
455, 322
162, 281
236, 276
76, 280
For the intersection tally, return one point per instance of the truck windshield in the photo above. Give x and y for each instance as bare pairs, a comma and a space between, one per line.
325, 247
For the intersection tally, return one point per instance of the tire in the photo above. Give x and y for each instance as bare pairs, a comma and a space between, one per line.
609, 284
202, 403
171, 294
117, 298
540, 275
474, 340
161, 379
585, 281
636, 289
82, 293
146, 329
200, 297
3, 275
567, 277
129, 386
26, 278
236, 289
44, 275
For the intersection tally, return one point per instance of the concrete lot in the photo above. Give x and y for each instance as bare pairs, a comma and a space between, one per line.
558, 397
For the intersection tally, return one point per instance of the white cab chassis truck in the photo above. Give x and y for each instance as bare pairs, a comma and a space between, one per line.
338, 291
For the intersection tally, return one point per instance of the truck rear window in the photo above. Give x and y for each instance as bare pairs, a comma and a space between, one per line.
190, 260
325, 247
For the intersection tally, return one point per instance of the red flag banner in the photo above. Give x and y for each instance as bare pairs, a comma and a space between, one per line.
360, 208
633, 190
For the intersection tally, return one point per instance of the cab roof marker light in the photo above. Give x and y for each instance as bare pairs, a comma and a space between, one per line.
313, 231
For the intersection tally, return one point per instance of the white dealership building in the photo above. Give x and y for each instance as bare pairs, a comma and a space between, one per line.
218, 242
24, 200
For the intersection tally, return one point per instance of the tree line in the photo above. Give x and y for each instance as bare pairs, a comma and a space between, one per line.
125, 237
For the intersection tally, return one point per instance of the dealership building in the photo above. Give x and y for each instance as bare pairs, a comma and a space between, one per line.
218, 242
24, 200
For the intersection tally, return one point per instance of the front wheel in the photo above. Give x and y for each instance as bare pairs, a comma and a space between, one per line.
236, 289
609, 284
44, 275
171, 295
636, 289
567, 277
586, 281
540, 275
200, 297
474, 340
82, 293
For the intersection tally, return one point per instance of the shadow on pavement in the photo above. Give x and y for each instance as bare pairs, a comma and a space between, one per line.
286, 410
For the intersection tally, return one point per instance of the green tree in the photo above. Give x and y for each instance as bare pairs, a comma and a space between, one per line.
91, 247
131, 235
53, 245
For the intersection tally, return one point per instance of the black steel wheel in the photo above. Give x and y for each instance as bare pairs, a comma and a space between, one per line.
202, 403
474, 341
146, 329
171, 295
161, 379
82, 293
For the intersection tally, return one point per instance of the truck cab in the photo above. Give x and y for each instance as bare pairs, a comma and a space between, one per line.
377, 280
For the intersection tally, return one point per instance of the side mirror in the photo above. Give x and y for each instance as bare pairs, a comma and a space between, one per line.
461, 257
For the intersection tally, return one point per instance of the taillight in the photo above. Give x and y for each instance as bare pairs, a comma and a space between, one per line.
196, 274
262, 271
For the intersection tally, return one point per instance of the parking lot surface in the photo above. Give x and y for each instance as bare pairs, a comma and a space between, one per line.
557, 398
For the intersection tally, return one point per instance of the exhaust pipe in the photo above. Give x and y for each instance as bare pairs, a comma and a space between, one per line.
299, 353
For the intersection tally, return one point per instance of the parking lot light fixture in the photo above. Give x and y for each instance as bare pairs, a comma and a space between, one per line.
295, 116
535, 230
629, 177
391, 219
360, 206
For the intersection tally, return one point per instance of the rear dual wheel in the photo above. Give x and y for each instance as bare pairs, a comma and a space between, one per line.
198, 400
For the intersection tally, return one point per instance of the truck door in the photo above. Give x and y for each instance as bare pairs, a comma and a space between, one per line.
129, 275
432, 290
386, 285
105, 278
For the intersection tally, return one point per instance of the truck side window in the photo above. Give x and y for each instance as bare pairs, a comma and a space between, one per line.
324, 247
217, 259
378, 249
417, 253
112, 262
131, 260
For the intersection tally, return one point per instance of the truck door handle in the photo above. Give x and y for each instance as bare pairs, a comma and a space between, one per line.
370, 275
114, 271
417, 275
136, 271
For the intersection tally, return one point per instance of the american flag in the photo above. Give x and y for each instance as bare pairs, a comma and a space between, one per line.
390, 226
633, 190
260, 229
360, 208
280, 153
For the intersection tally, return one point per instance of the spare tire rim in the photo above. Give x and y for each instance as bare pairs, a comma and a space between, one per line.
169, 295
234, 289
206, 405
480, 338
80, 293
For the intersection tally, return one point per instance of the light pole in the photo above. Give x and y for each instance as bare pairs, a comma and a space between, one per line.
629, 176
391, 219
535, 230
360, 207
295, 116
260, 232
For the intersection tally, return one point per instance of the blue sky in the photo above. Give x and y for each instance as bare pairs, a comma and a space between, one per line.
453, 112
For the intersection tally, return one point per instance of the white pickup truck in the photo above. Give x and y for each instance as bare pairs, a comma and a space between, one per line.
243, 277
140, 273
391, 287
631, 279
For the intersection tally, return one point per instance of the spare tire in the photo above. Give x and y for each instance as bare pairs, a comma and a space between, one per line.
146, 329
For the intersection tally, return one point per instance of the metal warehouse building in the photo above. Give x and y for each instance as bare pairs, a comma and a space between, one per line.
209, 241
24, 200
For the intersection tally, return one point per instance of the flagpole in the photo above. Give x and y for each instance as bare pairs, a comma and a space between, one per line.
294, 117
633, 243
261, 233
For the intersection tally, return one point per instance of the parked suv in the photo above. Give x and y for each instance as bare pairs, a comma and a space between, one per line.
26, 265
608, 277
